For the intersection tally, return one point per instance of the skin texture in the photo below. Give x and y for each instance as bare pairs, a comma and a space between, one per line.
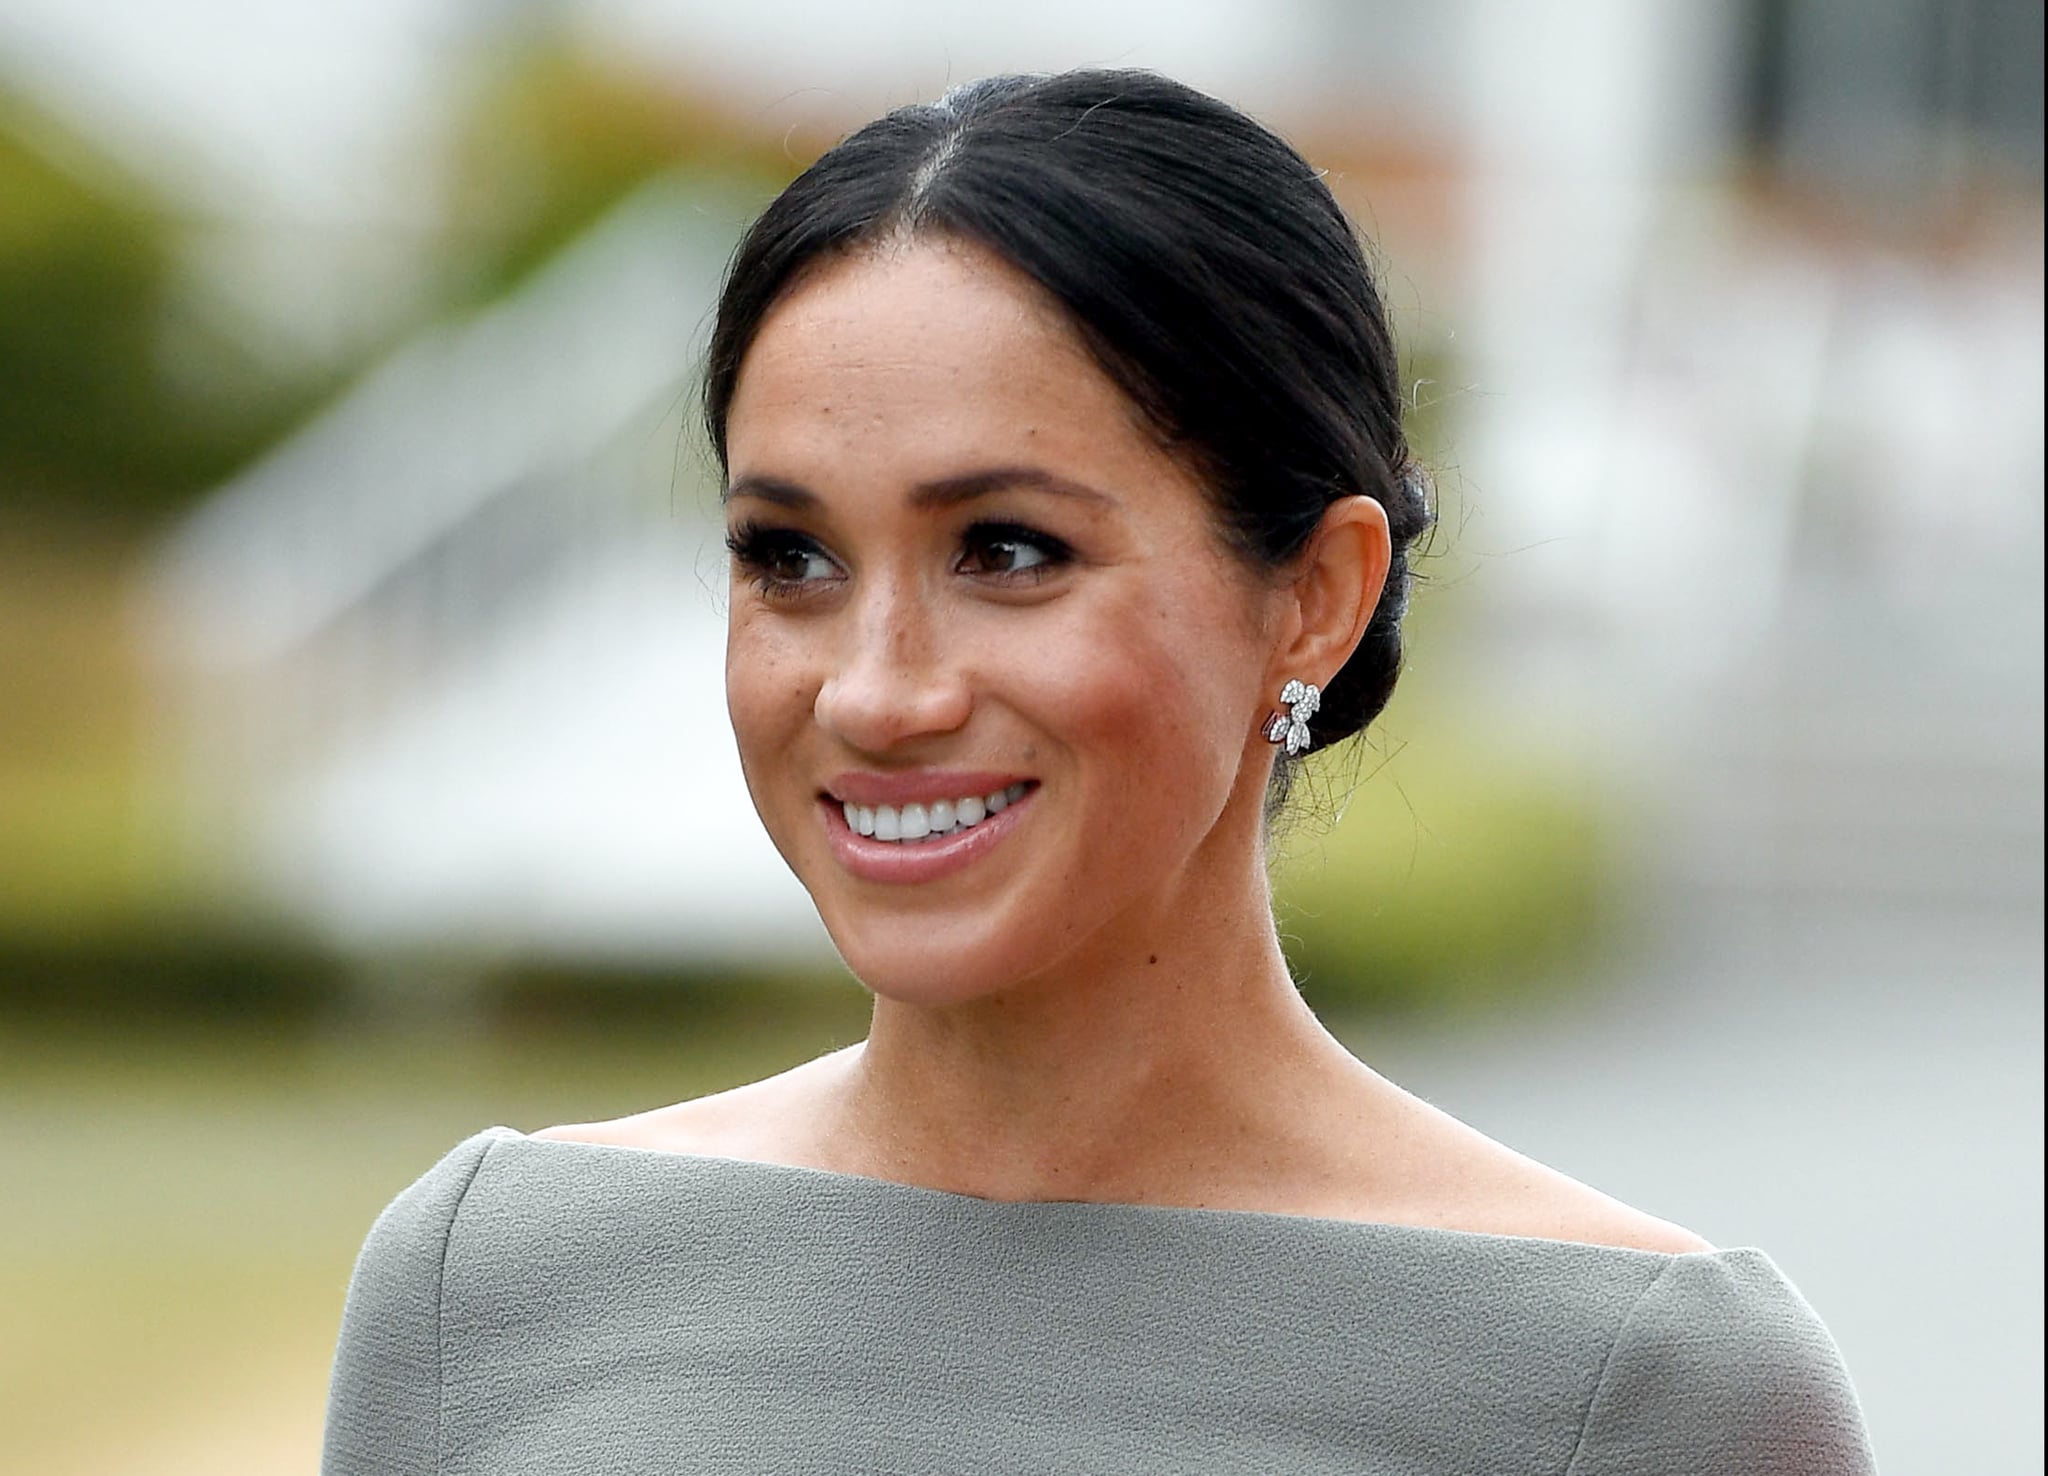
1097, 1008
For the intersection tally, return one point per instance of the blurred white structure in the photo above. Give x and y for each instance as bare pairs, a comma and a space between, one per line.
454, 656
1760, 498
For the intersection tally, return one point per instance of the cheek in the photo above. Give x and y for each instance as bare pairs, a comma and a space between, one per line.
1146, 689
765, 694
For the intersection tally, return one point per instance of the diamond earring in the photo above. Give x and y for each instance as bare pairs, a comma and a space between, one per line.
1301, 699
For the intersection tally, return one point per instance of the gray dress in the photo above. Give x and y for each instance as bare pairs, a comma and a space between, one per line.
533, 1306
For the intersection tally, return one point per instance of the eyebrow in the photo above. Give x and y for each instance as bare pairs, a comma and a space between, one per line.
942, 492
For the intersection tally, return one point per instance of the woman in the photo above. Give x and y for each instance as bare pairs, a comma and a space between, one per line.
1069, 507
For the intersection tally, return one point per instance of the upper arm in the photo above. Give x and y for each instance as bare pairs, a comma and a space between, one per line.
384, 1403
1722, 1369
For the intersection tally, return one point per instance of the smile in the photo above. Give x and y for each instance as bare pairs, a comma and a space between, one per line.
910, 823
898, 830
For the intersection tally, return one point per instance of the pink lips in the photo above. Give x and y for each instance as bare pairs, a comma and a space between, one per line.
905, 863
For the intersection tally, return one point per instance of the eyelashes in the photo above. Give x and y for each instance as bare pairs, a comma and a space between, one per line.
1014, 551
779, 561
786, 563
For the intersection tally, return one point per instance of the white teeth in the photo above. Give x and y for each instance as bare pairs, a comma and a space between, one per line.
941, 817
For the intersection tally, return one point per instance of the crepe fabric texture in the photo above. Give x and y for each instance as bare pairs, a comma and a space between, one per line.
536, 1306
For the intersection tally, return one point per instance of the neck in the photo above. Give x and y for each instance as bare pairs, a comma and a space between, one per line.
1159, 1067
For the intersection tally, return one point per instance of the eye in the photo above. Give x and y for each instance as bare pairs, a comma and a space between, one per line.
1011, 552
781, 561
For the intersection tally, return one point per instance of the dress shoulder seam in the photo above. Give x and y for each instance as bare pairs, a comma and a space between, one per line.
441, 1305
1607, 1364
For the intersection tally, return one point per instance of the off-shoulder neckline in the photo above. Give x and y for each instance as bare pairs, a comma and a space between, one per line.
1110, 1210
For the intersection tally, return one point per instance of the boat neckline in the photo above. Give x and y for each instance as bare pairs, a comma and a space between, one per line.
1108, 1208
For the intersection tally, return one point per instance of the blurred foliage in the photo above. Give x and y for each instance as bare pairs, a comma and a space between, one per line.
91, 850
1443, 873
97, 314
90, 320
553, 136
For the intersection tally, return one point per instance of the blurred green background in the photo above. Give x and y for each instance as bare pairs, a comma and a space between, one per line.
1719, 332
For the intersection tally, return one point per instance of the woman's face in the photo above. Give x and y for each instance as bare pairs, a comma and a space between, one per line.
969, 590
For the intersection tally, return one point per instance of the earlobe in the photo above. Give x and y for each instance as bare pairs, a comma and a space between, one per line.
1343, 574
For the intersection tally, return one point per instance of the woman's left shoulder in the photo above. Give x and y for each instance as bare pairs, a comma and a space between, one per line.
1564, 1209
1449, 1174
1721, 1367
1489, 1187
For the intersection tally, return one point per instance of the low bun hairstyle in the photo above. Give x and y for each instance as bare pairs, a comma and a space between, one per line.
1200, 259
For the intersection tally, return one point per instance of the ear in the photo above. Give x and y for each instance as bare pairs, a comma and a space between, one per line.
1330, 601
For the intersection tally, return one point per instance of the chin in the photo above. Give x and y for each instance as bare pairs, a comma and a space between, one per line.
970, 936
911, 961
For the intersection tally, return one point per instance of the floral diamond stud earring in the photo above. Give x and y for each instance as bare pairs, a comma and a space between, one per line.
1301, 699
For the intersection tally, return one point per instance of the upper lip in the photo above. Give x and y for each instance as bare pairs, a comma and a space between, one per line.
917, 786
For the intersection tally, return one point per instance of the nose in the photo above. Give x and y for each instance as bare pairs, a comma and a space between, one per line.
894, 680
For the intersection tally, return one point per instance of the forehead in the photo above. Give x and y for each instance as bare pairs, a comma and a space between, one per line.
928, 355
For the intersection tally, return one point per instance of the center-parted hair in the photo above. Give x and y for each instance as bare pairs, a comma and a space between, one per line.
1199, 258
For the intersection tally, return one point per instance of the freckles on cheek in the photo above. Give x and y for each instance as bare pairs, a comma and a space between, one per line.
762, 688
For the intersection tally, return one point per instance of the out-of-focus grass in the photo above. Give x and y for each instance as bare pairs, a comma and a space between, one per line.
182, 1208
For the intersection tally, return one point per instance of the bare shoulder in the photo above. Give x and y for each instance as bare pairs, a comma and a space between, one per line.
755, 1120
1478, 1184
1570, 1210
